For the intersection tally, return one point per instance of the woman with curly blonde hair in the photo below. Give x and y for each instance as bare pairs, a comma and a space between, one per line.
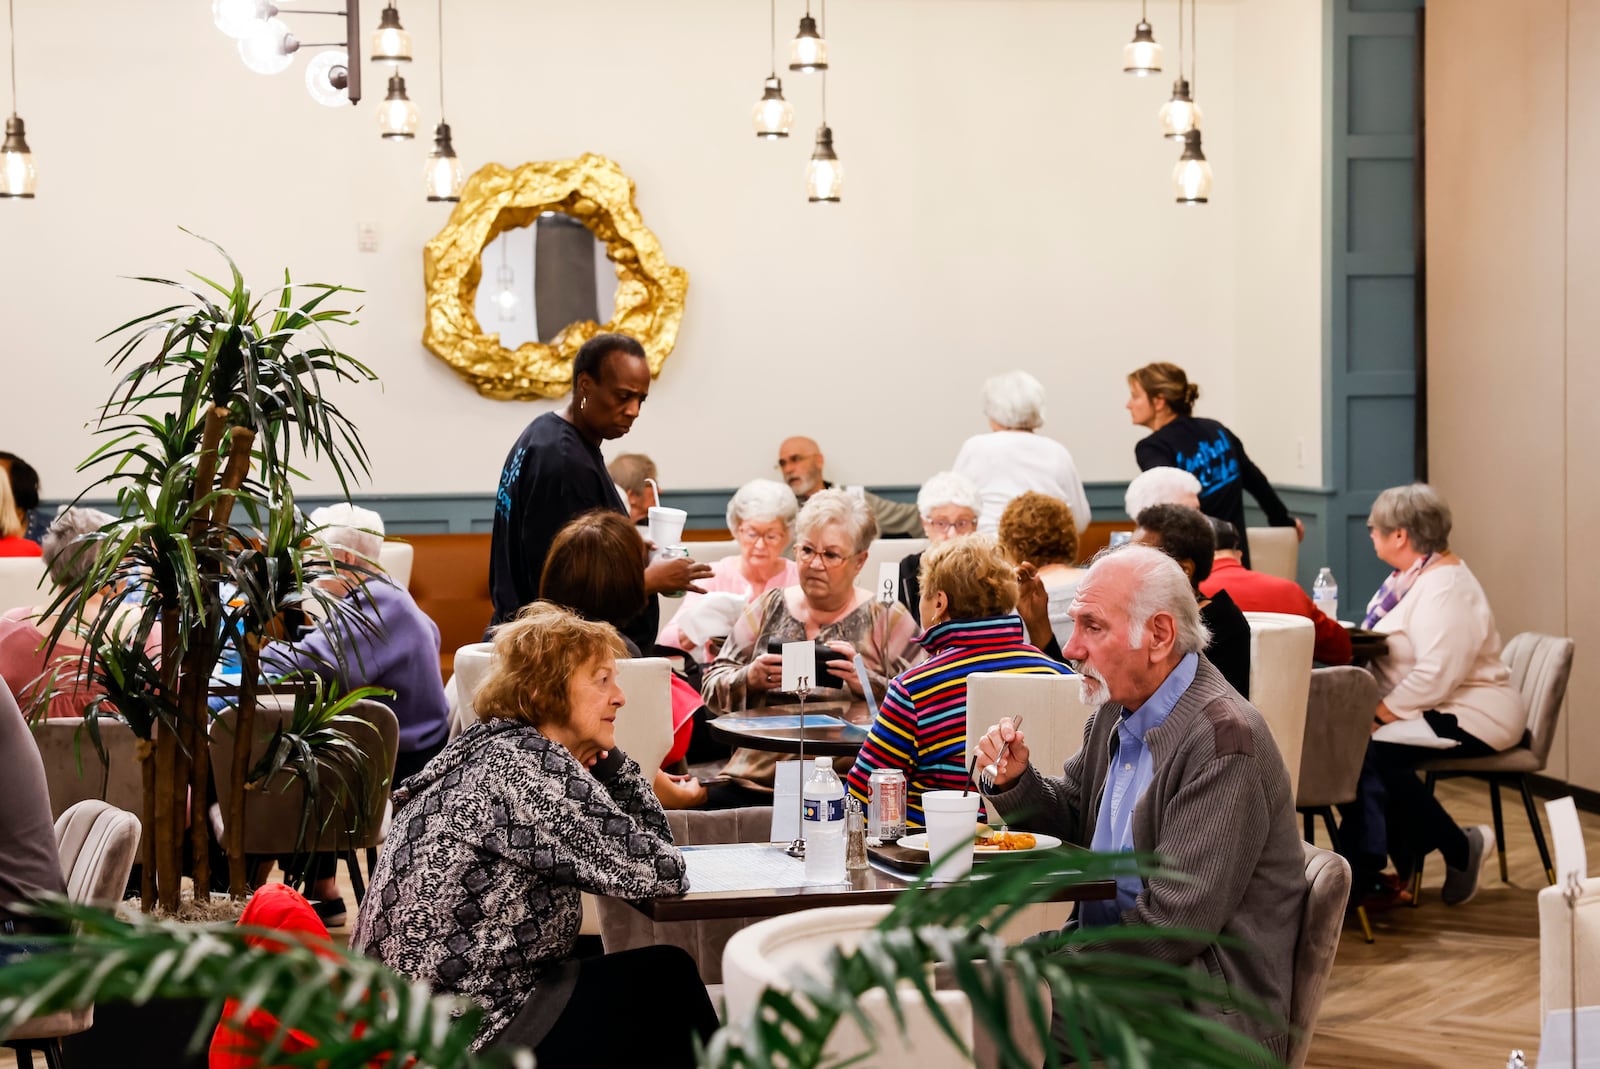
968, 590
1037, 533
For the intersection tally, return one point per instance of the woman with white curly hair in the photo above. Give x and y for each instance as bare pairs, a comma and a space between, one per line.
761, 519
949, 506
1013, 458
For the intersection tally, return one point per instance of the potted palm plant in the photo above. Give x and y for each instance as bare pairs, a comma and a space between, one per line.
220, 396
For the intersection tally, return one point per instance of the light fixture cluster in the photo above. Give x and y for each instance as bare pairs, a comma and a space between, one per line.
773, 115
1180, 117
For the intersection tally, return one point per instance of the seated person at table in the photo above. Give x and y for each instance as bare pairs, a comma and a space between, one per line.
761, 519
968, 592
1037, 533
634, 472
56, 677
476, 893
1442, 668
800, 462
593, 569
380, 638
1184, 534
1161, 486
1258, 592
13, 524
948, 504
833, 532
27, 835
25, 492
1196, 778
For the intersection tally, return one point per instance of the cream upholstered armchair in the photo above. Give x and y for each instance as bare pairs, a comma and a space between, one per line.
22, 582
1280, 679
1274, 551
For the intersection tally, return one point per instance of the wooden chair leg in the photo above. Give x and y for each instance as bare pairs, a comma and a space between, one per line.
1499, 825
1538, 830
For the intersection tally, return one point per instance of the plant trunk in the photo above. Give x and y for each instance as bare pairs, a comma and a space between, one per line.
233, 474
169, 873
243, 736
199, 798
205, 471
147, 866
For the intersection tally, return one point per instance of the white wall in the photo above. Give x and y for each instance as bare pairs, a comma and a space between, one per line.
1007, 203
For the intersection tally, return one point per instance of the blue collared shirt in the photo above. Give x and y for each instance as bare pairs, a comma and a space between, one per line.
1129, 777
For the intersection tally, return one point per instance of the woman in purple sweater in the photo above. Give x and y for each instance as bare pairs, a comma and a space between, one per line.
394, 646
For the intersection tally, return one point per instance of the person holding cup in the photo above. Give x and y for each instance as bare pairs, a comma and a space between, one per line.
554, 472
1174, 763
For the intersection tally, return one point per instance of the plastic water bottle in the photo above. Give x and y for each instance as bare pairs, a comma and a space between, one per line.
1325, 593
824, 824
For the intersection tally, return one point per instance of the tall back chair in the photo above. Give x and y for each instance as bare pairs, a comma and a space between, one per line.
767, 954
1274, 551
1540, 667
888, 551
1338, 726
97, 842
22, 582
471, 665
1321, 919
396, 558
74, 771
351, 807
1280, 679
1055, 714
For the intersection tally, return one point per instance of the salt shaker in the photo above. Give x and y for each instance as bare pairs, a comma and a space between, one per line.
855, 845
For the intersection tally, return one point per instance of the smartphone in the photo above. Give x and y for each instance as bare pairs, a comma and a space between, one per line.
824, 654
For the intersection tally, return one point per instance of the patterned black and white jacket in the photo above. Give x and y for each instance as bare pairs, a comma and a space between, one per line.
476, 891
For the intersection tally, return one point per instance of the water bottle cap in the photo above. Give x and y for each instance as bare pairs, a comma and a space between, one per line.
823, 762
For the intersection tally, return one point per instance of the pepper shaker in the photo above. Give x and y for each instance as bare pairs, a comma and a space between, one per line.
855, 822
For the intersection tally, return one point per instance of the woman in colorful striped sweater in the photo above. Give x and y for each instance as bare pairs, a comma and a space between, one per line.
968, 592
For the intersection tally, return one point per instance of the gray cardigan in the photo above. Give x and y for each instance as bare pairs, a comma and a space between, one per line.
1219, 809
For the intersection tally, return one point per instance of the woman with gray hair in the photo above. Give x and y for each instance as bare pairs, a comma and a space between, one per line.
1441, 676
949, 505
52, 678
1012, 458
833, 533
761, 520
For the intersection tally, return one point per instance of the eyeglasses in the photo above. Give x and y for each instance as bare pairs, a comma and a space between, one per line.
750, 536
946, 526
804, 554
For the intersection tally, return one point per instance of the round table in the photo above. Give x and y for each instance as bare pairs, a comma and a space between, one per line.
751, 729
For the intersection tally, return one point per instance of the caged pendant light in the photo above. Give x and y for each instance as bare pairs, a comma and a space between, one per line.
773, 115
441, 173
808, 52
1181, 114
18, 177
1141, 57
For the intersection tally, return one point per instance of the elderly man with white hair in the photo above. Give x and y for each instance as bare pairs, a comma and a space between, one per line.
394, 645
1174, 763
1161, 486
1012, 458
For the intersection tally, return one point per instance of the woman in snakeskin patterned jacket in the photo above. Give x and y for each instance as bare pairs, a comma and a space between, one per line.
477, 890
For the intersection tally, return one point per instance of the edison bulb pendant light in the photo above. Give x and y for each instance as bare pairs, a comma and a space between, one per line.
442, 171
824, 174
1180, 114
397, 115
18, 176
808, 52
1192, 176
773, 115
390, 41
1141, 57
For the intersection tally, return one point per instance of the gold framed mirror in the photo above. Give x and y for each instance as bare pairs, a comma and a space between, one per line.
553, 235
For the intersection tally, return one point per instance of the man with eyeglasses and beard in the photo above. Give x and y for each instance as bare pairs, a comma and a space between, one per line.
1174, 763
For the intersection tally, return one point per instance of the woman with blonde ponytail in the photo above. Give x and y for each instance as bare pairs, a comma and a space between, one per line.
968, 592
1161, 398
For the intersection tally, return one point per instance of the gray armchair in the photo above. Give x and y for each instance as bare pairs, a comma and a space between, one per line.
1338, 726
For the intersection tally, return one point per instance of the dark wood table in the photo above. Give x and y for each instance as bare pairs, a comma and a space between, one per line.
1366, 646
751, 729
874, 885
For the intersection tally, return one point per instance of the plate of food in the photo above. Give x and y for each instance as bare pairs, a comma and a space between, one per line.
987, 840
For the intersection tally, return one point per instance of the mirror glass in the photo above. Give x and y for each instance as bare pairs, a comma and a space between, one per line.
537, 280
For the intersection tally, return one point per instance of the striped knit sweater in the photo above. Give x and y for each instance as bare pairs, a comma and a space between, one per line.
921, 728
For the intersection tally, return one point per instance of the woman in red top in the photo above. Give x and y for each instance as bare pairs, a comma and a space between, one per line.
12, 526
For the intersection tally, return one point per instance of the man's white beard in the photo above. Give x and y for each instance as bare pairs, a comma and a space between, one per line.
1092, 688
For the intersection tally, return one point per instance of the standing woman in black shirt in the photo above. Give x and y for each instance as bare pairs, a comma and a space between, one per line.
1161, 398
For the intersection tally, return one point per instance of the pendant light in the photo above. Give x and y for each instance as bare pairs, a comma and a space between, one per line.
397, 116
808, 52
1141, 57
1181, 114
824, 174
442, 171
1192, 176
390, 41
237, 18
328, 78
773, 115
18, 178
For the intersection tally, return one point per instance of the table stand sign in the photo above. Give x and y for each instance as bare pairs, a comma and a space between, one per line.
799, 669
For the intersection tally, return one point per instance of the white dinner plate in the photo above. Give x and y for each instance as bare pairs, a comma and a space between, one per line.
919, 841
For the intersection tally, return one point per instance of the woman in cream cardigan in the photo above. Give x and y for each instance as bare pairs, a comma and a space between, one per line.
1442, 670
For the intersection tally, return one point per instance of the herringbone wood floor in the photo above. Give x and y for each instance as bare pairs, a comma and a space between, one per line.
1441, 988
